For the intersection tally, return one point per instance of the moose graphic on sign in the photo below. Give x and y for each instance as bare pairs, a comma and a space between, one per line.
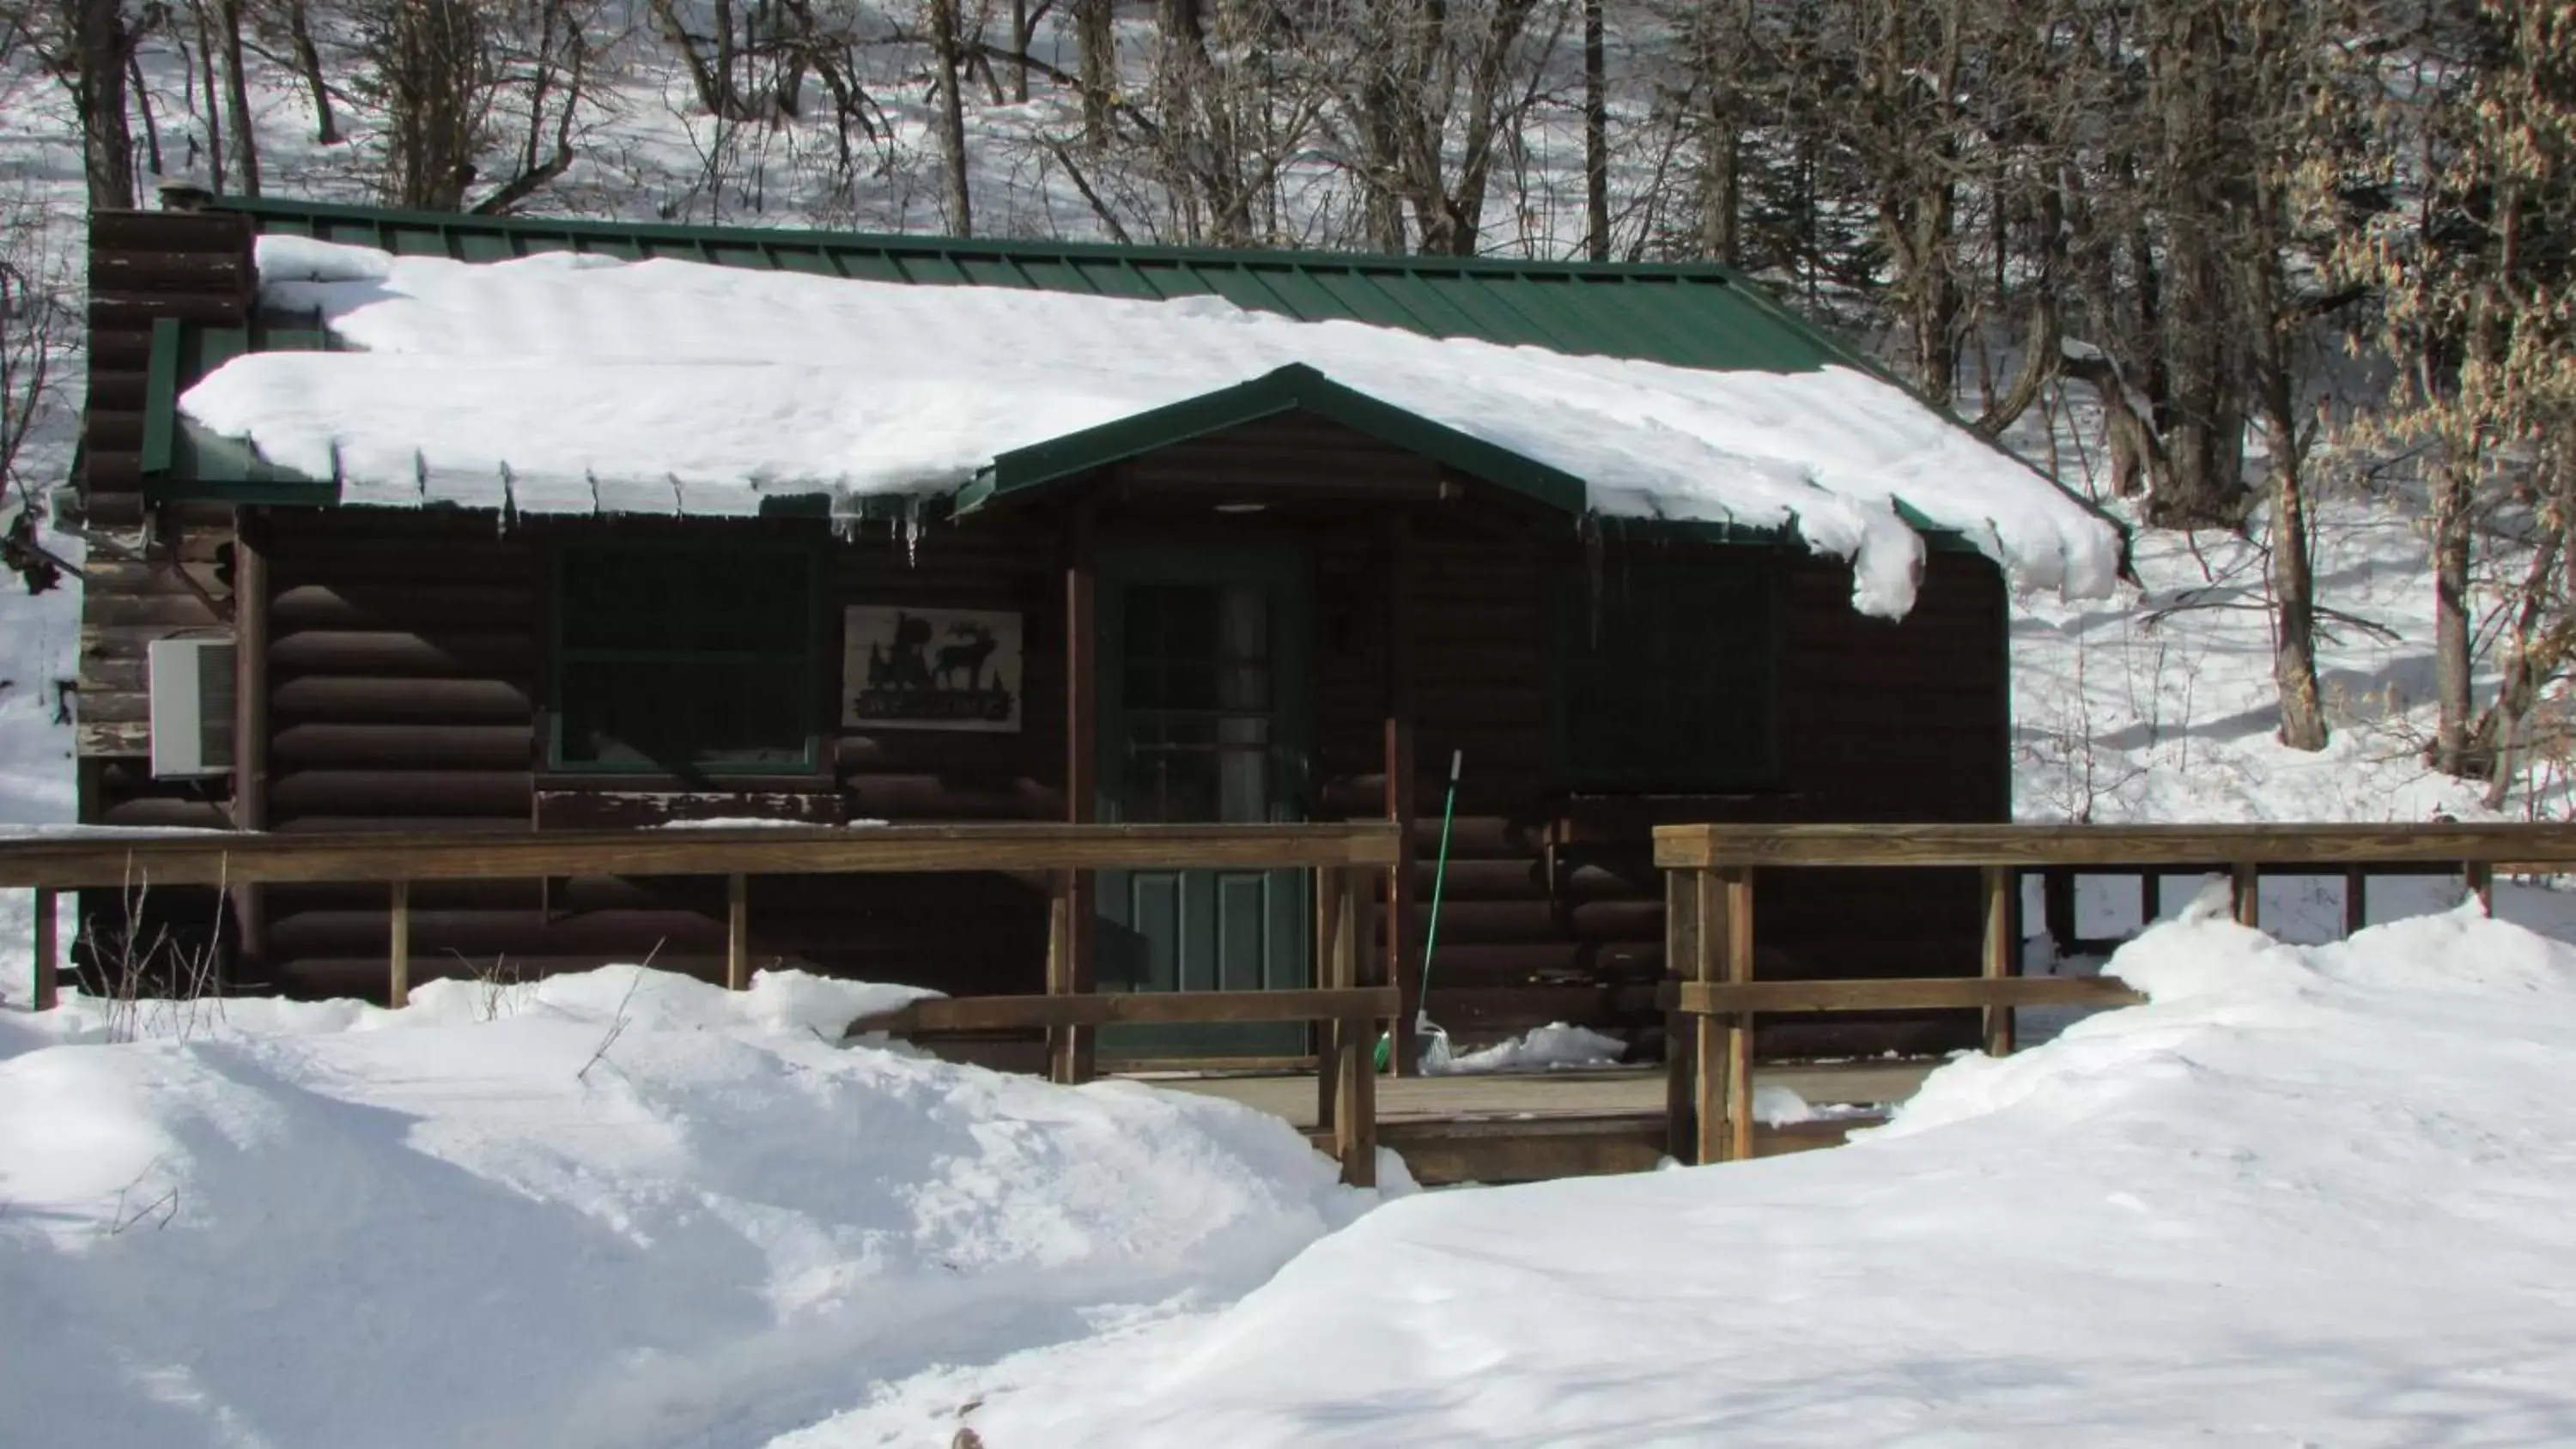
931, 669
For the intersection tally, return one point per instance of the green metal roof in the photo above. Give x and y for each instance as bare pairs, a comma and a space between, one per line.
1688, 315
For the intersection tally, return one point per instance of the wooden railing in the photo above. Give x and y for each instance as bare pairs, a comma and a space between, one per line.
1344, 858
1709, 923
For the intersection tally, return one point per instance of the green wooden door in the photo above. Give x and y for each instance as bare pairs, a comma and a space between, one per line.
1202, 694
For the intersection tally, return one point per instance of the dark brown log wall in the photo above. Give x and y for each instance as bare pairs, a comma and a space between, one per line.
407, 692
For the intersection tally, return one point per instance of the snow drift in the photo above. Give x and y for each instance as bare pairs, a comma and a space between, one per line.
2308, 1195
621, 1208
571, 383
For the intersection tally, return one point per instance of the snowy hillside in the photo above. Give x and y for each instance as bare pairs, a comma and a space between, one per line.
2159, 705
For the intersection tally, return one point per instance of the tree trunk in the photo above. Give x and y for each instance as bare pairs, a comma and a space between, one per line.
956, 202
2294, 586
308, 59
214, 106
1596, 135
101, 47
1023, 35
237, 100
2451, 623
430, 64
1096, 34
2294, 607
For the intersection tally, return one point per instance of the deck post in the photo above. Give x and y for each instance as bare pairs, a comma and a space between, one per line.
1682, 894
2245, 893
1355, 1115
1061, 1065
398, 947
2356, 899
1738, 885
737, 932
2151, 897
46, 988
1711, 1107
2480, 876
1330, 1036
2001, 880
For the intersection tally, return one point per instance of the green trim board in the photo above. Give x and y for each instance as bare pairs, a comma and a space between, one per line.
160, 394
1294, 388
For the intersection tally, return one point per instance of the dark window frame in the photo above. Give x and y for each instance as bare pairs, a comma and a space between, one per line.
809, 657
1582, 599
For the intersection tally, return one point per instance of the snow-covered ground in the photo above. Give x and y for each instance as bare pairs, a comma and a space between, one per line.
2309, 1196
621, 1208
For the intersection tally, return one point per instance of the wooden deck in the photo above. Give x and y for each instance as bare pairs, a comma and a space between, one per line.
1527, 1127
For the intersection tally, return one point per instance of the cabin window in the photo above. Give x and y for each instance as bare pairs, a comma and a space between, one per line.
686, 661
1666, 677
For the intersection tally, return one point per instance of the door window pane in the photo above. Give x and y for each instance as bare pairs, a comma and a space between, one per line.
1195, 697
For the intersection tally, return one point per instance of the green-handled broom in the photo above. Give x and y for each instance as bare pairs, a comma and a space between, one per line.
1435, 1042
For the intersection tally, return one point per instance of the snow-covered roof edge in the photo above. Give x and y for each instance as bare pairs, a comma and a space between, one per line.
563, 383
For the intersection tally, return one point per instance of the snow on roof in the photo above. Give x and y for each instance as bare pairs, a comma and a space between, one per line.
570, 383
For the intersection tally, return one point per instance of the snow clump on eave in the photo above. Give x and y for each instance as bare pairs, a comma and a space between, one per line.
568, 383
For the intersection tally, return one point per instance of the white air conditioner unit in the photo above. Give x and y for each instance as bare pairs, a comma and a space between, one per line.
192, 706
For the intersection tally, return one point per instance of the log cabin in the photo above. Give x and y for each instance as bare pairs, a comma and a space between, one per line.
587, 564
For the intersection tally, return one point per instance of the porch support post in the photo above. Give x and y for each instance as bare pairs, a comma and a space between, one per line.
2245, 893
2480, 875
47, 984
250, 713
2356, 899
1404, 965
1070, 1049
2001, 882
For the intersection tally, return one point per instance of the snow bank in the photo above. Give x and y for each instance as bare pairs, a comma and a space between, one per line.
505, 1217
564, 383
2308, 1195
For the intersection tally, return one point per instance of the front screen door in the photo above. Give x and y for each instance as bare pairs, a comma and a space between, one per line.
1201, 690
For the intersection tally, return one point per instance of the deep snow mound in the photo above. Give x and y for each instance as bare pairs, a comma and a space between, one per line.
620, 1208
2304, 1195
